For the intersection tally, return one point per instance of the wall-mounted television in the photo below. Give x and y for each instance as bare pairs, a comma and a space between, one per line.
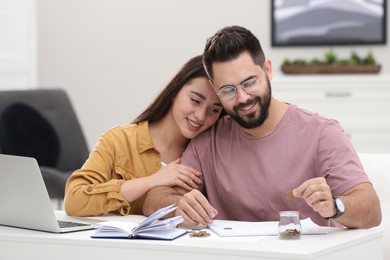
328, 22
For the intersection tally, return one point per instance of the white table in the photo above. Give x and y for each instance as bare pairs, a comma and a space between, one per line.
18, 243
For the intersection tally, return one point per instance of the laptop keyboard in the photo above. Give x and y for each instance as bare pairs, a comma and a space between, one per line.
67, 224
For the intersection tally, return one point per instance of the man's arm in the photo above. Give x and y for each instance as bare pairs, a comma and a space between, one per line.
362, 206
160, 197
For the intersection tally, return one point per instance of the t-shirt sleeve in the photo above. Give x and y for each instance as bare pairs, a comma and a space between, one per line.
337, 159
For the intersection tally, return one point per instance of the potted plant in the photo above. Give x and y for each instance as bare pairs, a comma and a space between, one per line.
332, 64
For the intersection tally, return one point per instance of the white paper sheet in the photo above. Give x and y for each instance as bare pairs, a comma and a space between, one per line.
229, 228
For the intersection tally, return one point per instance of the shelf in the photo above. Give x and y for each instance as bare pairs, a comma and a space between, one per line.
330, 69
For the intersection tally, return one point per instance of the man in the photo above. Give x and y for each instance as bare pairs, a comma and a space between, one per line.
264, 148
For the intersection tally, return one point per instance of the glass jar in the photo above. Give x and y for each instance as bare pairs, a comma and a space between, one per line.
289, 225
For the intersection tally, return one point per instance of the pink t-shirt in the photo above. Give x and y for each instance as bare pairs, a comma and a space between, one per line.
247, 178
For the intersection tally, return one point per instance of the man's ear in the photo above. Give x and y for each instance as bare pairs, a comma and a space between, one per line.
268, 68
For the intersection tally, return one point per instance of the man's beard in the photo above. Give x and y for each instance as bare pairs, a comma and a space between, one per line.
256, 118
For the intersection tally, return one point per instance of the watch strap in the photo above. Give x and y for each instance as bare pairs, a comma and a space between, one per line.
338, 211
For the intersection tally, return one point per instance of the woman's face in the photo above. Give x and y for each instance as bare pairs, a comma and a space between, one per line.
196, 107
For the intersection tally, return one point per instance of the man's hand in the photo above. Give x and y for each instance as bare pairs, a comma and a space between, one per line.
362, 207
193, 205
317, 194
195, 209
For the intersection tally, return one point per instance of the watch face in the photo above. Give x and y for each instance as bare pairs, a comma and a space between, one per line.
340, 204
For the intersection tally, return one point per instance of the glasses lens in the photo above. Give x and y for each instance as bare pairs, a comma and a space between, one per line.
227, 92
250, 85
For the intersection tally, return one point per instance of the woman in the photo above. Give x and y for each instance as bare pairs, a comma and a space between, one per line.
129, 160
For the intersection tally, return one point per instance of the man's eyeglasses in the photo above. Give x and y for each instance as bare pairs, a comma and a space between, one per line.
228, 93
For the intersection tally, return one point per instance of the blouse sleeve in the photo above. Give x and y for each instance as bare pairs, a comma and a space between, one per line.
94, 189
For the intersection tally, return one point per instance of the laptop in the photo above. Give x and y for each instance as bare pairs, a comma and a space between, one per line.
24, 200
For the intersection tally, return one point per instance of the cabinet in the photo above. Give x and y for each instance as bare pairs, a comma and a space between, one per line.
361, 103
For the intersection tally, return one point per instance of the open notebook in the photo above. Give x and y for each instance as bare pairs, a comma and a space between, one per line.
24, 200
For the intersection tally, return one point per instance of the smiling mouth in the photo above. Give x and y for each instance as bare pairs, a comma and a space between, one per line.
194, 125
248, 107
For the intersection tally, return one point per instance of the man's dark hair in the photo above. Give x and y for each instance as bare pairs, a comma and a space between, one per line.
228, 43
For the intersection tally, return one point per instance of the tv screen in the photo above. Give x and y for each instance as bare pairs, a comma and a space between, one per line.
328, 22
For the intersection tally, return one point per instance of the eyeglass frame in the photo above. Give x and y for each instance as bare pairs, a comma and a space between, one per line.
256, 82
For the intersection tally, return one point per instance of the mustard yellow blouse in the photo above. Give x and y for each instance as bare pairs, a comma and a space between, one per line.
122, 153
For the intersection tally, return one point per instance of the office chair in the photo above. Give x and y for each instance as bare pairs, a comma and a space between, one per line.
42, 123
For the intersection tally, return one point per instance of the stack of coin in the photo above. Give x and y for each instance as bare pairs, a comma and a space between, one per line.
200, 233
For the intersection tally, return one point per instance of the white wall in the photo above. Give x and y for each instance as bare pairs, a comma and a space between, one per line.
114, 56
18, 64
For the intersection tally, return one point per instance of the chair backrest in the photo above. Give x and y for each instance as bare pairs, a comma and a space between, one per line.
55, 106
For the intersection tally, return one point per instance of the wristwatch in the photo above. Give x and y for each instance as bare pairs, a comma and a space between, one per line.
340, 207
